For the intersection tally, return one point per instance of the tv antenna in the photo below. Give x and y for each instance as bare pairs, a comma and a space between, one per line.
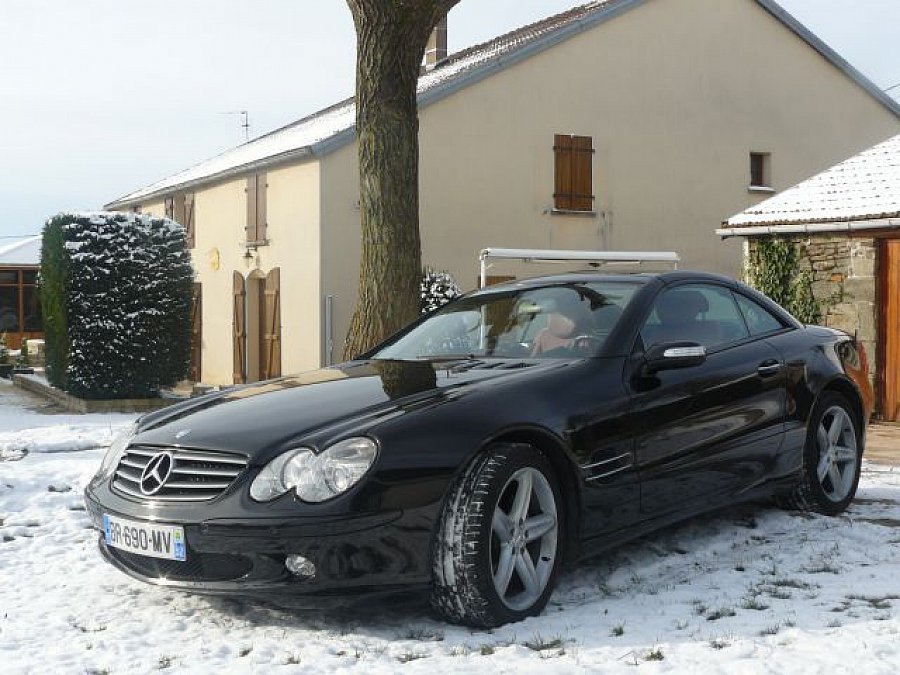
245, 121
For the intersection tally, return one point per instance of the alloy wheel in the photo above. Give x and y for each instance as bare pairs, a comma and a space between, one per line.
524, 531
836, 441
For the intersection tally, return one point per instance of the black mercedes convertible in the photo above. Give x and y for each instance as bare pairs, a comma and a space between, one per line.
474, 453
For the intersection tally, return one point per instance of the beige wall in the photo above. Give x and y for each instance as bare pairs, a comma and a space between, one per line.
675, 93
293, 233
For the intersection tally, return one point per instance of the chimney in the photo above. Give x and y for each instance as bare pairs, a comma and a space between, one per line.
436, 51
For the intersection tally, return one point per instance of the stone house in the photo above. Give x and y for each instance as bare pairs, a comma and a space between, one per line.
617, 125
845, 224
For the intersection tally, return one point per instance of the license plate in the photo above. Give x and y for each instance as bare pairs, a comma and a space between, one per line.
150, 539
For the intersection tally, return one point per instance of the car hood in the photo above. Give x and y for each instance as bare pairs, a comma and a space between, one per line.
262, 418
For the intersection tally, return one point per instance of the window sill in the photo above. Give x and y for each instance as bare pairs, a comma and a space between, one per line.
761, 189
570, 212
256, 244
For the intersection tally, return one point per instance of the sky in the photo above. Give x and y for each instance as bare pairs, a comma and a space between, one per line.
102, 97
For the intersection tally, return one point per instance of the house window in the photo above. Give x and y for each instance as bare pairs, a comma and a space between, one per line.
20, 308
180, 208
574, 158
256, 208
760, 170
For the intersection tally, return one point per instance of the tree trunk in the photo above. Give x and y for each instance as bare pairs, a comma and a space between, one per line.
391, 36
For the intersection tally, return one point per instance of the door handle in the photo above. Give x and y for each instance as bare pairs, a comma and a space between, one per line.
768, 368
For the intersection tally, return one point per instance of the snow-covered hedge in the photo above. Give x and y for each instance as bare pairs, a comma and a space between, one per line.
436, 289
116, 301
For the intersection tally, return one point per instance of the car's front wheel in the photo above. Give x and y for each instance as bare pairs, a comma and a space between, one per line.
831, 458
496, 551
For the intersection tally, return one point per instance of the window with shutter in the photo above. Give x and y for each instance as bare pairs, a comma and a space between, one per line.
186, 204
574, 182
170, 209
256, 208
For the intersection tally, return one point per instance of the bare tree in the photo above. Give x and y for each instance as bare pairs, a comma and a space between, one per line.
391, 36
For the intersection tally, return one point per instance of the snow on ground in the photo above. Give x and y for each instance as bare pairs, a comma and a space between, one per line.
750, 590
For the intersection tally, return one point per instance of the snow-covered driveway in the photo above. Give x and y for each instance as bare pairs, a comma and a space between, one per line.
750, 590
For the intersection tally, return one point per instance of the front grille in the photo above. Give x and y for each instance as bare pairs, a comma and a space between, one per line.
196, 475
198, 566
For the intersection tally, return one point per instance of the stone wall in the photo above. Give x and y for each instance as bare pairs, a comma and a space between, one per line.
842, 271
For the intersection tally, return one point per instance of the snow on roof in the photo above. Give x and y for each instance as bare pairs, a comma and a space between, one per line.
300, 138
864, 187
21, 251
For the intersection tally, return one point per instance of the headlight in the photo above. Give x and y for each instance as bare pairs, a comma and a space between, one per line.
313, 477
117, 449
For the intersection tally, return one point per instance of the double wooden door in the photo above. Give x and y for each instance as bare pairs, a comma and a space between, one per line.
259, 322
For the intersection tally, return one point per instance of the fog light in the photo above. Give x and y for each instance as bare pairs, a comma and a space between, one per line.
300, 566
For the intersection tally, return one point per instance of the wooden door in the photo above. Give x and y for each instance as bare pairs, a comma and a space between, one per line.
239, 332
271, 326
889, 375
194, 372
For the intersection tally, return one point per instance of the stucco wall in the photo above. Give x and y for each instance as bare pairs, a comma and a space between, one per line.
293, 233
675, 93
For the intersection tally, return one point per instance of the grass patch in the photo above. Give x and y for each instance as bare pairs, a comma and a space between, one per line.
539, 643
720, 613
423, 635
406, 657
753, 602
655, 654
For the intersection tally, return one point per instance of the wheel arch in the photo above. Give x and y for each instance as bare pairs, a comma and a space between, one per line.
848, 390
566, 473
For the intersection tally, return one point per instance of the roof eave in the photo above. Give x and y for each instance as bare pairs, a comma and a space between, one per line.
266, 163
856, 225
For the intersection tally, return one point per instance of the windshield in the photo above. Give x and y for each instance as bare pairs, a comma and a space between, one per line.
562, 321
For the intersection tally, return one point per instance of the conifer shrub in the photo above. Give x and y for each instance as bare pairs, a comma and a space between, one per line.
116, 302
436, 289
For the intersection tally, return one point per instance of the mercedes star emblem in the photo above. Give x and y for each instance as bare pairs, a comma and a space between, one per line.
156, 473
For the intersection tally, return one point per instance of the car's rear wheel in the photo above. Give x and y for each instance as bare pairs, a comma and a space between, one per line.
497, 548
832, 459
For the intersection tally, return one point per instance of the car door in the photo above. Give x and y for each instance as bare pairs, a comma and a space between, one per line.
710, 431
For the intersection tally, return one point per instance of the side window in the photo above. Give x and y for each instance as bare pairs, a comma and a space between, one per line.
759, 319
699, 313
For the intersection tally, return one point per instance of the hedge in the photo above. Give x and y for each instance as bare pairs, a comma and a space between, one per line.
116, 302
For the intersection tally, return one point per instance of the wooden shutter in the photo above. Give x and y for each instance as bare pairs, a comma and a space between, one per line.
239, 334
261, 214
256, 207
272, 362
573, 164
194, 372
170, 208
251, 208
187, 205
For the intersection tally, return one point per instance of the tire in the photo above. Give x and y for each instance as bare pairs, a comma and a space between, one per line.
832, 458
476, 535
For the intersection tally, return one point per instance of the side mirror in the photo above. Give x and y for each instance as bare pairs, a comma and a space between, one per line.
673, 355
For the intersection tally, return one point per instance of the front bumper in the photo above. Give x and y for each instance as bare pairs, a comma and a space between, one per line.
355, 556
